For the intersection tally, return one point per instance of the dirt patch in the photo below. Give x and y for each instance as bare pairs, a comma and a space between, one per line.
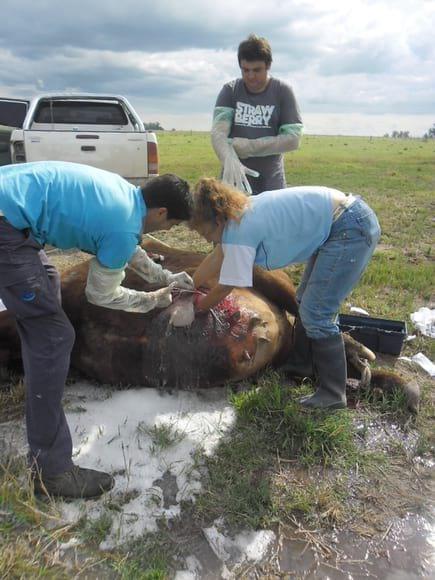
64, 260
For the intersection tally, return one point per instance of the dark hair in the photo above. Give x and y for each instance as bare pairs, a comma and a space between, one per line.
171, 192
255, 48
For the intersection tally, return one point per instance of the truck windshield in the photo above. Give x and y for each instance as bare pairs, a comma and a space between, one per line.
80, 113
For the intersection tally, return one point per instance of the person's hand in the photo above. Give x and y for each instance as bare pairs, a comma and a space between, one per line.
163, 297
181, 280
235, 173
197, 299
248, 171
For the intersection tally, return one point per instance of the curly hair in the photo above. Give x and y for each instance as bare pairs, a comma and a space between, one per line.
212, 199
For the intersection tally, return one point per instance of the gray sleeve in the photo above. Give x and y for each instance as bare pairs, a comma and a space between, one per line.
225, 97
289, 109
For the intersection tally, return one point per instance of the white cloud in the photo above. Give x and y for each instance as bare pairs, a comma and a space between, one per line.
365, 57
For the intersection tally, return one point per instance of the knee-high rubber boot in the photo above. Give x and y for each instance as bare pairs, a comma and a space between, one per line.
300, 361
329, 361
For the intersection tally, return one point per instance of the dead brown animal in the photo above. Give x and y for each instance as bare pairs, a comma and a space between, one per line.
252, 328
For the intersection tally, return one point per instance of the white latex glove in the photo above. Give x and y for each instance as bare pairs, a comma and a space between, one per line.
219, 138
103, 288
264, 146
234, 173
147, 269
163, 297
181, 280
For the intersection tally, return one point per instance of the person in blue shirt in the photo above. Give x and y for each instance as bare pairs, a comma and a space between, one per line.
334, 233
68, 205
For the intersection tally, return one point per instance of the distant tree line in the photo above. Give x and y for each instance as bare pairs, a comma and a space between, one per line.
405, 134
153, 126
398, 135
430, 134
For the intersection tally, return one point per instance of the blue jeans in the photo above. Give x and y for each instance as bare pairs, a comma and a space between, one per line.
334, 270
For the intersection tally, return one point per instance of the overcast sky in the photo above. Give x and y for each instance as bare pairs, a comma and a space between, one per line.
362, 67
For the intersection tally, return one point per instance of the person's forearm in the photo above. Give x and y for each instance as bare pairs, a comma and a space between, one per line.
221, 128
264, 146
216, 294
208, 271
147, 269
103, 288
219, 140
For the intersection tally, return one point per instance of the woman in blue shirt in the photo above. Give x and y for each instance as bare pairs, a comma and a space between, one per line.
334, 233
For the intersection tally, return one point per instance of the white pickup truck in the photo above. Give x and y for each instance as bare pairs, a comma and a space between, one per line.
100, 130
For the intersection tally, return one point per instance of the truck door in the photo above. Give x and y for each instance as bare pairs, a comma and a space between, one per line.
98, 133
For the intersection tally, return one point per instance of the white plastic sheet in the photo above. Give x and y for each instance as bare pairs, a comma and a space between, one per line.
424, 321
425, 363
422, 361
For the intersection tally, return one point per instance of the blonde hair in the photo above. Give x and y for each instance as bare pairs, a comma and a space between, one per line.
212, 199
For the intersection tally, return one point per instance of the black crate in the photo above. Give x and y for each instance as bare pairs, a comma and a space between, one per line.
377, 334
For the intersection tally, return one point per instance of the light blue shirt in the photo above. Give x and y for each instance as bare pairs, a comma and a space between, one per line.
68, 205
279, 228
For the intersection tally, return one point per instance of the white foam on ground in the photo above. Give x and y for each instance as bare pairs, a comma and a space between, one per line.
109, 433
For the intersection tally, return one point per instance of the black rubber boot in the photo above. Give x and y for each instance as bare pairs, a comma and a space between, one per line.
78, 482
300, 361
329, 360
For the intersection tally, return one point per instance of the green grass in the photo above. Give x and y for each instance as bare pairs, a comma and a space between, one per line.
245, 484
26, 547
242, 478
278, 463
148, 557
95, 530
310, 436
395, 176
162, 436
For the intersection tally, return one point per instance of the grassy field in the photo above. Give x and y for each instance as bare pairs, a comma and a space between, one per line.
396, 177
281, 467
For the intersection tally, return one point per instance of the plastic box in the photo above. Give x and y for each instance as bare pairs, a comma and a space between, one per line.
377, 334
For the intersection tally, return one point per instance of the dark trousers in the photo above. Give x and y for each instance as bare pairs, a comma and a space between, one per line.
30, 290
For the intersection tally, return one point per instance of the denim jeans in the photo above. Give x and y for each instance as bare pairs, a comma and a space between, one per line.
334, 270
30, 290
